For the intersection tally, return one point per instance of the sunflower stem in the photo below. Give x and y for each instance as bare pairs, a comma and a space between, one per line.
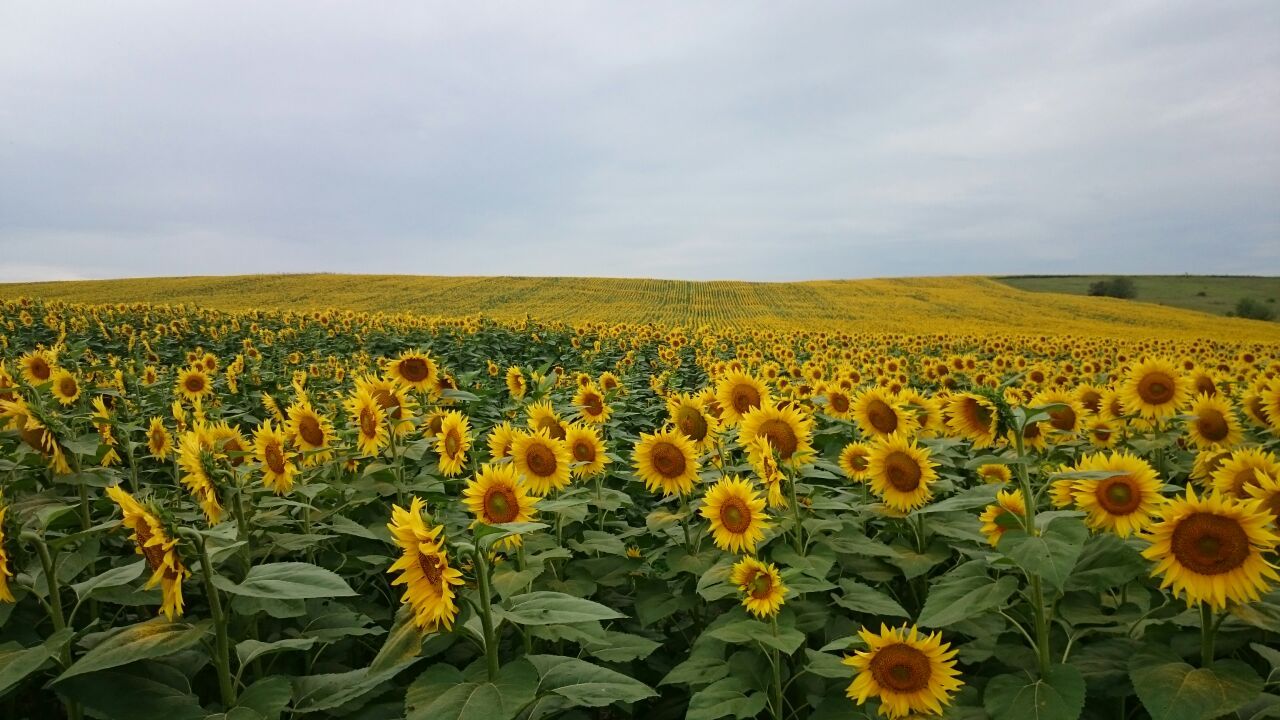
1037, 589
795, 509
1207, 631
778, 709
222, 646
50, 566
684, 523
486, 613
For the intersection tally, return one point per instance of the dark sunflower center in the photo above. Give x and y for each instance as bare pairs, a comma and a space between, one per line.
1064, 419
668, 460
388, 401
310, 432
858, 461
452, 443
195, 383
901, 668
781, 436
761, 585
154, 554
1092, 400
1156, 388
435, 425
1246, 476
414, 369
368, 423
274, 457
1212, 425
68, 386
882, 417
592, 404
1118, 496
1210, 544
552, 426
584, 451
1204, 384
541, 460
902, 472
735, 515
500, 505
691, 423
978, 414
431, 567
157, 438
40, 369
839, 402
744, 398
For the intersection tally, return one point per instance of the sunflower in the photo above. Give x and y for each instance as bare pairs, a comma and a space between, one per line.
838, 404
192, 384
926, 411
64, 387
516, 384
1065, 420
738, 394
497, 495
160, 551
36, 433
666, 461
1207, 463
1101, 432
1213, 423
1154, 389
855, 460
1267, 492
591, 405
789, 431
587, 450
394, 400
908, 672
1124, 503
414, 369
1213, 549
37, 366
159, 441
278, 468
424, 568
544, 417
1235, 474
500, 439
879, 414
973, 417
542, 460
369, 420
761, 585
453, 442
901, 473
995, 473
6, 595
1270, 402
226, 441
687, 412
433, 422
764, 461
736, 514
196, 459
1006, 502
310, 432
609, 382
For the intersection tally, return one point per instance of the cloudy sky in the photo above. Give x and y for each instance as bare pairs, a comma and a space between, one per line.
748, 140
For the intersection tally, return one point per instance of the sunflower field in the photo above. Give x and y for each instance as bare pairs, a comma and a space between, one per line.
253, 514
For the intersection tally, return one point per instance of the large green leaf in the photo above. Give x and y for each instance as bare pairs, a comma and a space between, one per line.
1052, 554
585, 684
287, 581
119, 695
963, 593
115, 577
249, 650
314, 693
544, 607
1171, 689
150, 639
865, 599
1107, 561
17, 662
1057, 696
730, 697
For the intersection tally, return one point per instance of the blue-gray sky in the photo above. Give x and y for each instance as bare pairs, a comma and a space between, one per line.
747, 140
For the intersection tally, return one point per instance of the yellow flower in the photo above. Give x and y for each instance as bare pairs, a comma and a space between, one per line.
666, 461
414, 369
424, 568
855, 460
591, 405
501, 438
65, 388
1213, 423
736, 514
37, 366
193, 384
159, 441
1124, 503
789, 432
394, 400
879, 414
370, 422
995, 473
516, 384
310, 432
1006, 502
587, 450
1154, 389
1213, 549
688, 414
1235, 474
453, 442
196, 459
544, 417
6, 595
542, 460
160, 551
901, 473
908, 672
738, 394
497, 495
278, 468
761, 585
974, 418
1267, 492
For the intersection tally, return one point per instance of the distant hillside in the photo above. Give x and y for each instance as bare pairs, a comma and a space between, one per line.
1216, 294
909, 305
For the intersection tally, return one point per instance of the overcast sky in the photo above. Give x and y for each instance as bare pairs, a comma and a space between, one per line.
742, 140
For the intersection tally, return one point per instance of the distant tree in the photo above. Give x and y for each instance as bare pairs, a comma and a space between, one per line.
1253, 310
1118, 287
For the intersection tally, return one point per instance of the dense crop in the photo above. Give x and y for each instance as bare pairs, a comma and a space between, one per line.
255, 514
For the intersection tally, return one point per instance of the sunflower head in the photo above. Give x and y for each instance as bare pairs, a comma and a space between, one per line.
193, 384
788, 431
1124, 502
736, 514
497, 495
908, 672
1213, 423
542, 460
995, 473
667, 462
587, 450
761, 586
855, 461
414, 369
1154, 389
1005, 514
65, 387
453, 442
738, 394
424, 568
901, 473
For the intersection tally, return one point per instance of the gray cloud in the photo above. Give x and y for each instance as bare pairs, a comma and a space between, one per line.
685, 140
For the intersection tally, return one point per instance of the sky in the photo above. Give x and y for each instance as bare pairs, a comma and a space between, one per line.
698, 140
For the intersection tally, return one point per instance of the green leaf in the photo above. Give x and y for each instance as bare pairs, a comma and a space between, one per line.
976, 497
17, 662
1057, 696
487, 535
249, 650
728, 697
1171, 689
287, 581
150, 639
115, 577
963, 593
866, 599
314, 693
545, 607
585, 684
749, 632
267, 697
826, 665
1106, 562
120, 695
466, 701
1052, 554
